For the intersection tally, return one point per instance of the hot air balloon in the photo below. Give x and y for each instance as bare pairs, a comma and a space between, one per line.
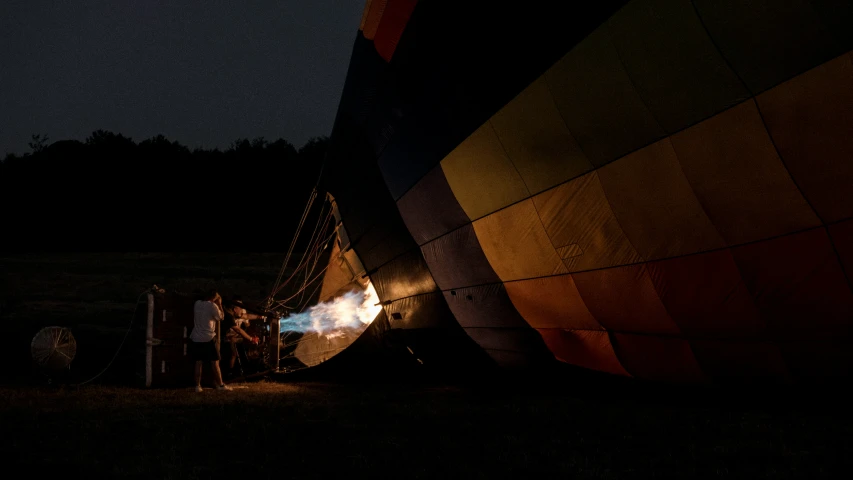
656, 189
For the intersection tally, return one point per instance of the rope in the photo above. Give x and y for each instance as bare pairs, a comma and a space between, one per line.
314, 234
317, 254
129, 329
293, 241
302, 266
313, 195
312, 245
305, 305
309, 283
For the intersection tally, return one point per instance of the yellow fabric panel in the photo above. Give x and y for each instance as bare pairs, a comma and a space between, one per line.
739, 179
579, 221
481, 176
598, 101
516, 245
655, 205
364, 14
374, 15
810, 119
537, 141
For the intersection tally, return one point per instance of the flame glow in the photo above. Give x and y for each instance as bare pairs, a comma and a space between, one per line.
353, 310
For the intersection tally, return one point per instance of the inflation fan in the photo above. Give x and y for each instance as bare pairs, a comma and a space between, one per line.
53, 349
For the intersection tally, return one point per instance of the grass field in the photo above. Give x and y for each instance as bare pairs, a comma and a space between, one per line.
94, 295
316, 430
428, 429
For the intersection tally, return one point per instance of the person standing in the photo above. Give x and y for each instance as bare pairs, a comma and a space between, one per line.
207, 312
236, 320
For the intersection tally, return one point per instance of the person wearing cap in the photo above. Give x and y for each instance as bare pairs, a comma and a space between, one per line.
236, 320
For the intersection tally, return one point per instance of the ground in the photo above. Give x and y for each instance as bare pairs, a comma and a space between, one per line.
322, 430
415, 430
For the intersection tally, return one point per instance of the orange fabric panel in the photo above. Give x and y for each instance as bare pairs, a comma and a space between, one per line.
580, 222
624, 299
374, 15
551, 302
394, 20
586, 349
706, 296
798, 285
658, 358
656, 206
482, 177
842, 239
732, 361
739, 179
516, 245
364, 14
537, 140
811, 121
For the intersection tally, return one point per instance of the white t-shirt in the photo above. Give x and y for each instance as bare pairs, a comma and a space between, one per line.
205, 316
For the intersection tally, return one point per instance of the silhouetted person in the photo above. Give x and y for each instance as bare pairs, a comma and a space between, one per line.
204, 347
236, 319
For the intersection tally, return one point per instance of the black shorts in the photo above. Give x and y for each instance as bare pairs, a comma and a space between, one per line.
204, 351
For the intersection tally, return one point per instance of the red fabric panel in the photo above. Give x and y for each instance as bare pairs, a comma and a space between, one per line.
842, 239
733, 361
624, 299
394, 20
819, 360
797, 284
706, 296
658, 358
584, 348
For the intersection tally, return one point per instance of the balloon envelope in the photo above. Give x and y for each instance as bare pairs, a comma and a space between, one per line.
658, 189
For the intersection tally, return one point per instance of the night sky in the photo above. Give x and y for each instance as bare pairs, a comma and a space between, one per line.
202, 72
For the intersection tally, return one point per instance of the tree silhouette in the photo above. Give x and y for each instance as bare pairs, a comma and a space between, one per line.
38, 143
110, 189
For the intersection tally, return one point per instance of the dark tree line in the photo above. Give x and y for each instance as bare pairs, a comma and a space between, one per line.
111, 192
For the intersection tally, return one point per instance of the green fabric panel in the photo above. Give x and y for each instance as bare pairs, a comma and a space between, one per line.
768, 41
837, 16
598, 102
537, 141
672, 62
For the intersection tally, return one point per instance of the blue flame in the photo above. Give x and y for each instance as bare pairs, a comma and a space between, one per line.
353, 310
